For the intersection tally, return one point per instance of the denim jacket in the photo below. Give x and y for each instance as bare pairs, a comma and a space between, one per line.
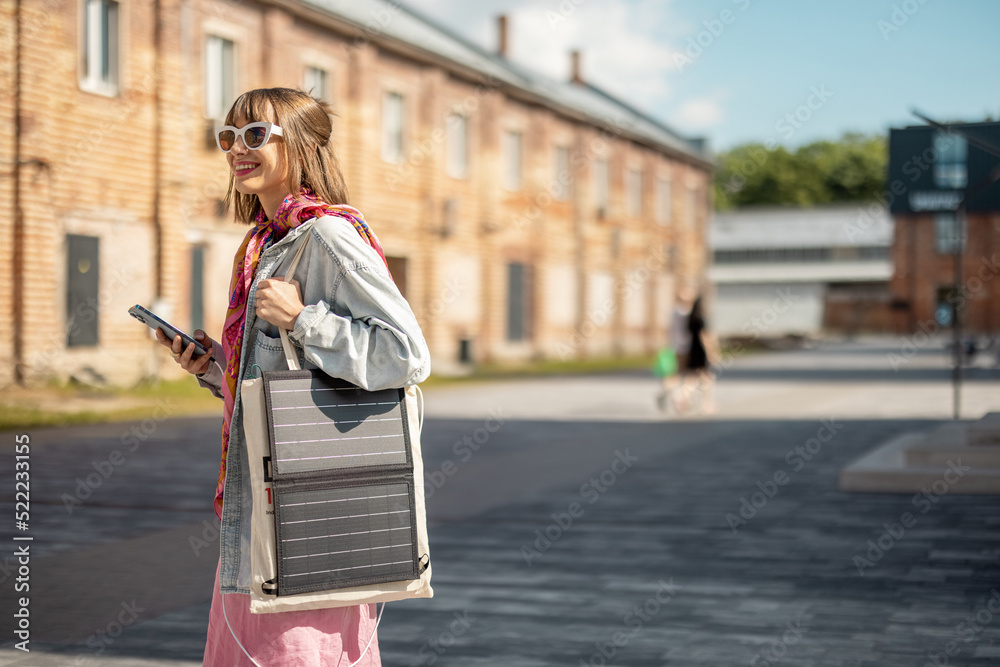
356, 325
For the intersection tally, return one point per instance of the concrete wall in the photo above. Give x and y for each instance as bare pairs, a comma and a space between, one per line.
768, 310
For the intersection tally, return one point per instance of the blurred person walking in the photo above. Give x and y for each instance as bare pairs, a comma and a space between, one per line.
698, 384
345, 315
670, 398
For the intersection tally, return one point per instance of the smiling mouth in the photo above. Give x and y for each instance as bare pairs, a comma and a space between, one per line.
244, 169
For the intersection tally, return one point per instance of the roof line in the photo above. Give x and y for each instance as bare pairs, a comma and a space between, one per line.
420, 16
514, 68
638, 112
519, 79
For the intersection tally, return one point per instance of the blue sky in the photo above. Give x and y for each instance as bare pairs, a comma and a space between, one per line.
862, 64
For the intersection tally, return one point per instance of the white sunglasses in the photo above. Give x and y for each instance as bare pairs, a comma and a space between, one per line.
254, 135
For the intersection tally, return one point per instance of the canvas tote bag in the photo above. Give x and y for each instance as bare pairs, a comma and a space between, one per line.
337, 484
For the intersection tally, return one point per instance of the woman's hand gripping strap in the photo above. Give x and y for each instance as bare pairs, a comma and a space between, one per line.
291, 358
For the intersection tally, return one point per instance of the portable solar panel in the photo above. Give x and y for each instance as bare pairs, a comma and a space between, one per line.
342, 480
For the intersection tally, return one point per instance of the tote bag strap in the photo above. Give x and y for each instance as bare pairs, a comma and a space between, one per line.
291, 358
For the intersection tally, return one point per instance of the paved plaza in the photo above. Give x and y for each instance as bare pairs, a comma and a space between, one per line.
588, 529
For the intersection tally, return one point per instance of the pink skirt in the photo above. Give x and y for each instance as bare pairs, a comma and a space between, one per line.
319, 638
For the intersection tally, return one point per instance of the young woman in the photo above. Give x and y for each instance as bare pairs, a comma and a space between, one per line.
343, 313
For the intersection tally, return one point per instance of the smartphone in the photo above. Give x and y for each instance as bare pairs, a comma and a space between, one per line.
169, 330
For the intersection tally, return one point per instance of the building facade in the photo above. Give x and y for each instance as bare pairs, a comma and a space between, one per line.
523, 217
942, 259
781, 271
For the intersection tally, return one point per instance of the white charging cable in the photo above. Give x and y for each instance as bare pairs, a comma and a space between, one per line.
367, 646
420, 409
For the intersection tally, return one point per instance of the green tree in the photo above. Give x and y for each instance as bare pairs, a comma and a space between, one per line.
851, 169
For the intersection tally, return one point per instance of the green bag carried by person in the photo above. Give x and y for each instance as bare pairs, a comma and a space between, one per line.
666, 363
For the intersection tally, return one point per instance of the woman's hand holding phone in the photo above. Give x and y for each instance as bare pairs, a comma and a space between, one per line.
185, 357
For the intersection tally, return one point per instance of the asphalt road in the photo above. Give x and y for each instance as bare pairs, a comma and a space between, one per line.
586, 529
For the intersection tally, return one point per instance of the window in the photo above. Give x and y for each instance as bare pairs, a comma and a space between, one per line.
794, 255
949, 166
457, 161
518, 302
691, 212
512, 160
873, 252
663, 201
601, 187
197, 287
82, 280
392, 127
100, 46
948, 236
316, 83
561, 178
635, 192
220, 76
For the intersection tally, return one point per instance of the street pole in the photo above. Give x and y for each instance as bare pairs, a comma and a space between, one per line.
957, 300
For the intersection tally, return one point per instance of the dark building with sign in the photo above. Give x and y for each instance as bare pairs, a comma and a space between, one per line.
930, 171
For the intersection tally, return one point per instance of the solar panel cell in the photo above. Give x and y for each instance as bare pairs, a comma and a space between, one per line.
343, 487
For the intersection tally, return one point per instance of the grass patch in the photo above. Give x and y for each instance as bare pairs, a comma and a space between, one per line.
17, 418
70, 404
184, 388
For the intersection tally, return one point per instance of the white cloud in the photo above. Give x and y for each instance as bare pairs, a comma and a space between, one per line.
617, 54
698, 114
626, 46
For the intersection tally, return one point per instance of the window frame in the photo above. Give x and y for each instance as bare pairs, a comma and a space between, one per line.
208, 84
633, 194
87, 81
663, 206
602, 182
457, 158
951, 163
560, 163
398, 132
309, 86
512, 161
691, 208
955, 242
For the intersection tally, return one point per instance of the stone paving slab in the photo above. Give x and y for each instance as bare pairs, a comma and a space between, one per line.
665, 519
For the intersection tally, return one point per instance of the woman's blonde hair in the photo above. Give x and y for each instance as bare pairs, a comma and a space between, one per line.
306, 127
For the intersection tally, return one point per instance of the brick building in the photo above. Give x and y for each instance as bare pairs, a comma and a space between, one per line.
929, 173
523, 217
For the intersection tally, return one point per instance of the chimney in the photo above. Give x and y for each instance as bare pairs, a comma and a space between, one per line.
577, 77
502, 35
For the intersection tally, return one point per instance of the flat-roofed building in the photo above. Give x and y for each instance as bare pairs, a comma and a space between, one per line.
783, 271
